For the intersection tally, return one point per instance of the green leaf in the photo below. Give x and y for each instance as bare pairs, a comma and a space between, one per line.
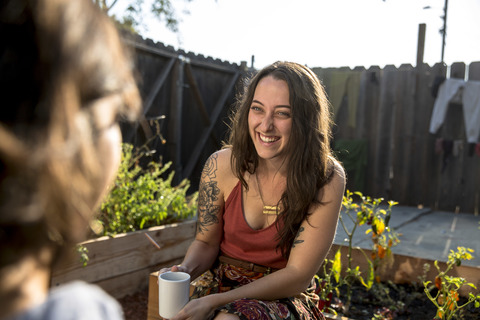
337, 265
371, 275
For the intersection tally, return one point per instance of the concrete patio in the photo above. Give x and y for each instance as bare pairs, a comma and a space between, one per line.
425, 233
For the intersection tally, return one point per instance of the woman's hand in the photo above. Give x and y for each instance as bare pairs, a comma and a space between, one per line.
197, 309
175, 268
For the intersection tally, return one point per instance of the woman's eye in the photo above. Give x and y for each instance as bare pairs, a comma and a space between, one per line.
284, 114
255, 108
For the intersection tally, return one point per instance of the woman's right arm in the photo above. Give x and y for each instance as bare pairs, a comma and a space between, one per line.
204, 249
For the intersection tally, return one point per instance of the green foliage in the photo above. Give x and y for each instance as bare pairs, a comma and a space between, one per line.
444, 292
366, 211
331, 271
162, 10
142, 197
447, 287
383, 236
83, 252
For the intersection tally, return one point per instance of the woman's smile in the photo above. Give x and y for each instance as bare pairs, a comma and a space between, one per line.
268, 139
269, 118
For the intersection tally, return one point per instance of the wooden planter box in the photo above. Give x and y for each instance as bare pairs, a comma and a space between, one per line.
407, 269
121, 264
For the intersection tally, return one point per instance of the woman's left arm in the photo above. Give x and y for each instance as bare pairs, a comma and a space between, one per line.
315, 236
309, 250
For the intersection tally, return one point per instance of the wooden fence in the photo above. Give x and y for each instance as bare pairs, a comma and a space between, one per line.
187, 100
382, 121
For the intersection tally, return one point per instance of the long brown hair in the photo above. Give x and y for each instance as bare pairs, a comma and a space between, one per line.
310, 158
58, 59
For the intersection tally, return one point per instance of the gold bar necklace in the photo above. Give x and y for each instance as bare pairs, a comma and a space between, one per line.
266, 209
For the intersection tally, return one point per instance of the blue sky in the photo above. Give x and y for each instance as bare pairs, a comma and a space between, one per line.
322, 33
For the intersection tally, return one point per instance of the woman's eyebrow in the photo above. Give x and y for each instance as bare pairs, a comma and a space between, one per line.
279, 106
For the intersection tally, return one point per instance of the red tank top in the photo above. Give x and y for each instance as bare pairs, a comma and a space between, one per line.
242, 242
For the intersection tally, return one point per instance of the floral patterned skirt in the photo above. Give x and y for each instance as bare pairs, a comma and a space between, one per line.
225, 277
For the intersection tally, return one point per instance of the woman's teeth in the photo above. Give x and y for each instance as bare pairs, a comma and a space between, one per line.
268, 139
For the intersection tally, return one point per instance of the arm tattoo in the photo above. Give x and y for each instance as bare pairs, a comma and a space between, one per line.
298, 241
207, 195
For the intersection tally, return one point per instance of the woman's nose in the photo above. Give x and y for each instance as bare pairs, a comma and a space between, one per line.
267, 123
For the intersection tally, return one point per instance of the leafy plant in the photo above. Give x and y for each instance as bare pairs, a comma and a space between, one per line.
447, 297
162, 10
365, 211
83, 252
383, 236
143, 197
326, 288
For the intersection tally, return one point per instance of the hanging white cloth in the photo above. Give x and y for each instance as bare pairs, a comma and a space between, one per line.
447, 90
471, 110
471, 106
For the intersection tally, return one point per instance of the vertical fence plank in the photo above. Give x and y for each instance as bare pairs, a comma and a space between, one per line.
362, 108
337, 90
402, 139
360, 77
370, 99
383, 148
175, 121
433, 161
470, 199
474, 71
451, 167
423, 176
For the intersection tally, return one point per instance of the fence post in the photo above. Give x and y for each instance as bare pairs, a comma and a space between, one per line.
422, 27
175, 123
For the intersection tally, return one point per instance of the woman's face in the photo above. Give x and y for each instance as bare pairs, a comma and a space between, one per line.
109, 140
269, 118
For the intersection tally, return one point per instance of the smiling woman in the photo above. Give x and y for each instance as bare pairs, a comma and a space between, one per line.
268, 204
269, 119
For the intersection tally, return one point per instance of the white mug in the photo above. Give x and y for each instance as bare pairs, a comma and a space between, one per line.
173, 293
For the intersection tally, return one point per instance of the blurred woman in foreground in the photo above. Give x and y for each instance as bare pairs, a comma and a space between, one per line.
65, 79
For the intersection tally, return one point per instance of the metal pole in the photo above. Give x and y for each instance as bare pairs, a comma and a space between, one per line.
444, 30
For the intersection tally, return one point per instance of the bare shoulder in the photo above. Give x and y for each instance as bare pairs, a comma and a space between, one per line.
218, 168
338, 174
218, 162
224, 156
335, 188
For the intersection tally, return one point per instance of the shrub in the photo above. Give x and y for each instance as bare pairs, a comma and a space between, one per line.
142, 197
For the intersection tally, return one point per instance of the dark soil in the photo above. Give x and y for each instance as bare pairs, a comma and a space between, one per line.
135, 306
394, 301
403, 302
